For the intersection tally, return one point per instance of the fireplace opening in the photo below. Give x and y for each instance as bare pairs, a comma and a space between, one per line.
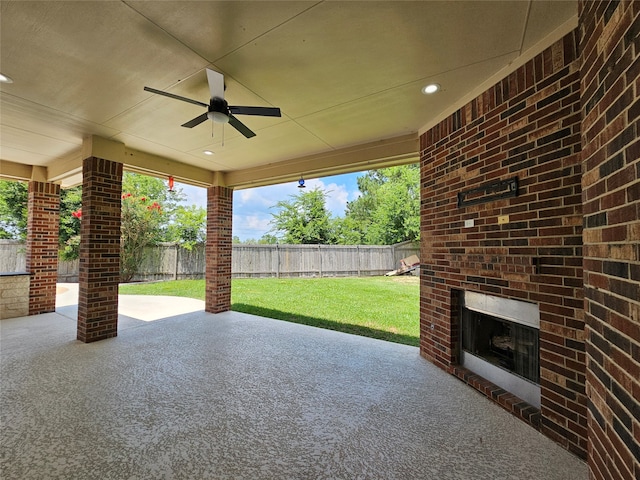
500, 341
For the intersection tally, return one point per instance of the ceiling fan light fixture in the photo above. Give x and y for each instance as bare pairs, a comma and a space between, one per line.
5, 79
431, 88
218, 110
218, 117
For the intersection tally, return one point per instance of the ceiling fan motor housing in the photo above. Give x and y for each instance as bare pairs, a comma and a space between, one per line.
218, 110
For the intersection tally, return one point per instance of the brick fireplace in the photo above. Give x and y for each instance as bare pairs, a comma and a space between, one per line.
501, 215
500, 340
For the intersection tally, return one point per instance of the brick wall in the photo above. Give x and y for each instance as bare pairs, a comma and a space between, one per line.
99, 250
610, 86
526, 126
218, 249
42, 245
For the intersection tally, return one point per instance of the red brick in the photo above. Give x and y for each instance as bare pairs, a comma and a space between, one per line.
99, 271
42, 245
613, 453
218, 249
499, 259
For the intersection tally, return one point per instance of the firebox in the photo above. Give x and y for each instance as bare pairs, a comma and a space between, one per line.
500, 342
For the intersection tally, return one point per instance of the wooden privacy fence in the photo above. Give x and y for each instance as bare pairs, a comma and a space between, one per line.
12, 256
170, 262
311, 260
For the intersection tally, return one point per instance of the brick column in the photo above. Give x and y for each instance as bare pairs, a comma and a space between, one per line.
218, 249
99, 250
42, 245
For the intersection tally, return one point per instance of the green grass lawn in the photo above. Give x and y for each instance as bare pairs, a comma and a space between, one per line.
380, 307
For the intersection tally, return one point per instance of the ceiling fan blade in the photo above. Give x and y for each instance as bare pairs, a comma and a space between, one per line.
262, 111
176, 97
216, 83
241, 127
196, 121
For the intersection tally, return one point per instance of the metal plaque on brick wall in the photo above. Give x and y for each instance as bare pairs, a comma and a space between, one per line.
489, 192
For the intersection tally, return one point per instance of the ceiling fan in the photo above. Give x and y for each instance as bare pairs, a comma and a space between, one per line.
218, 110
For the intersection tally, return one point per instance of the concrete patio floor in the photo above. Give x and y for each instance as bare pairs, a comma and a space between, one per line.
235, 396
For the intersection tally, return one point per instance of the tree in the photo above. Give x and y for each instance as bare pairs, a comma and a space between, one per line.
304, 219
348, 231
388, 211
268, 239
70, 216
188, 226
155, 190
149, 212
14, 198
141, 227
152, 187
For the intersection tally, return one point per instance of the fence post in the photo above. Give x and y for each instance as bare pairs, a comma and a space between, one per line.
175, 266
277, 261
393, 257
358, 258
320, 261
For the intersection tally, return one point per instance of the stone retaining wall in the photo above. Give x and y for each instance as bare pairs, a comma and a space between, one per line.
14, 295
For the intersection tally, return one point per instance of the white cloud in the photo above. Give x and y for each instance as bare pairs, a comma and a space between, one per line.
255, 222
337, 198
250, 226
195, 195
264, 197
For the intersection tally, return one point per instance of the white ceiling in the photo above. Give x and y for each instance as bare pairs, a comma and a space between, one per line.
343, 73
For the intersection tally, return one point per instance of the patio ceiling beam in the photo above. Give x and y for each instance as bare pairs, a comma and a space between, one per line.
148, 163
383, 153
23, 172
158, 166
15, 171
67, 170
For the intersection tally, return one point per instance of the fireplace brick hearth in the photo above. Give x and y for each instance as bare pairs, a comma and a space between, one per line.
508, 401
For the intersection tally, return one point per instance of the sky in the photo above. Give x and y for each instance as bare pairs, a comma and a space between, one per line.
252, 206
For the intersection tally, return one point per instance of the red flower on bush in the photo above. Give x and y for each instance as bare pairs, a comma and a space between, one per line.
77, 214
154, 206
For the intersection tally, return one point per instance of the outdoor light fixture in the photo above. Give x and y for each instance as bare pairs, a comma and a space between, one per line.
431, 88
218, 117
301, 182
5, 79
207, 152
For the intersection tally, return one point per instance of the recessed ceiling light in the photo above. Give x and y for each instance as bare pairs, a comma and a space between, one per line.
431, 88
208, 152
5, 79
